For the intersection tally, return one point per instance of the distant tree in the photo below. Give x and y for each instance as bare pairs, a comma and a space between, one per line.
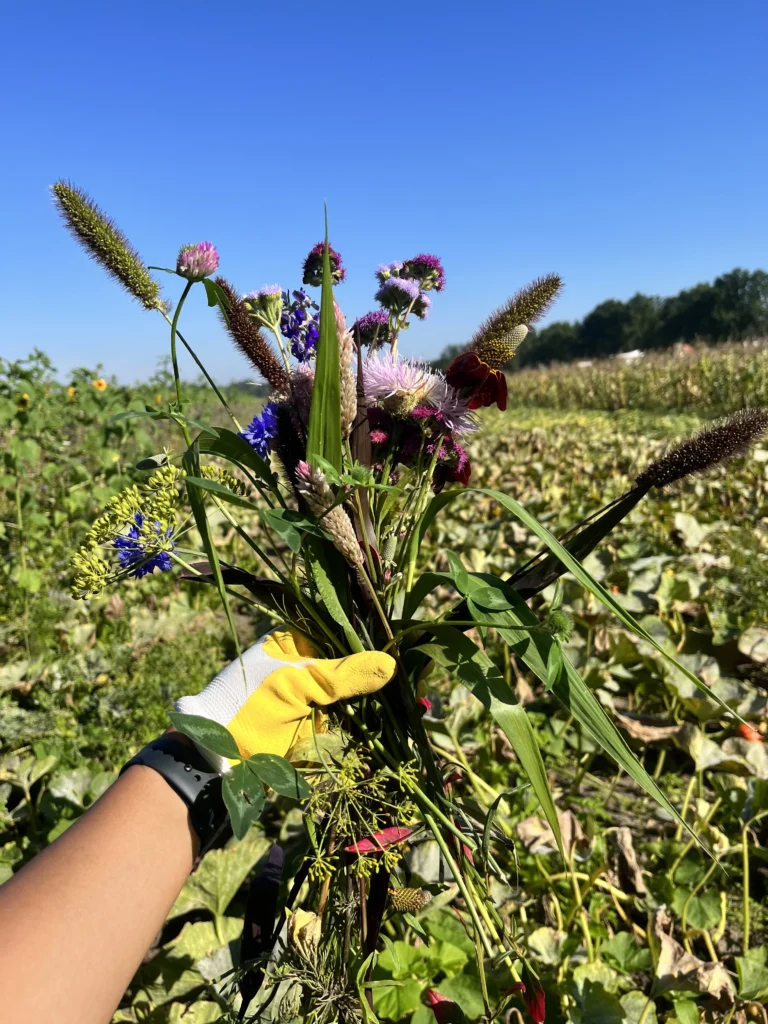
734, 306
555, 343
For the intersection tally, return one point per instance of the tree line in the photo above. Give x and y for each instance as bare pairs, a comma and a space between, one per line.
734, 306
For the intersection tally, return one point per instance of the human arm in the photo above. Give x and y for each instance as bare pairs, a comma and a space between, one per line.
77, 920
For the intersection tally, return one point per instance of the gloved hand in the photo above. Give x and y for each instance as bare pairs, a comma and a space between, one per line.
269, 711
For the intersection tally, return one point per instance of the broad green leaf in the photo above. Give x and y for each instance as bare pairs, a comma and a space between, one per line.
686, 1010
624, 953
752, 969
283, 528
219, 876
206, 733
321, 567
324, 435
280, 774
244, 798
459, 574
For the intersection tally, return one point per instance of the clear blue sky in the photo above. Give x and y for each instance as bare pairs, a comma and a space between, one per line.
622, 144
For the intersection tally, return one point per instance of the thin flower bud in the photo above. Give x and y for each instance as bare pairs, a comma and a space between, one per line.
106, 244
348, 381
316, 491
733, 436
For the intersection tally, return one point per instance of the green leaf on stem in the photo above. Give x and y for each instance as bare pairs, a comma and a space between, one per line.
230, 446
279, 774
283, 528
206, 733
324, 436
464, 659
534, 649
329, 584
243, 795
459, 574
221, 492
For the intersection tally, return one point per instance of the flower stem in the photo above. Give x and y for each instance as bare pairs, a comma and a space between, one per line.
175, 361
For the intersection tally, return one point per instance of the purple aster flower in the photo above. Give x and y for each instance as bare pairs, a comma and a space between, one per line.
373, 327
197, 261
266, 304
386, 270
426, 269
262, 430
313, 266
140, 553
397, 293
421, 306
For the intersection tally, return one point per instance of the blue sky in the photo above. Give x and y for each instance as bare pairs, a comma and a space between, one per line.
623, 145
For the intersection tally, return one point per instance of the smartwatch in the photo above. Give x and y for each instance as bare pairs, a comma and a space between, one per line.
190, 776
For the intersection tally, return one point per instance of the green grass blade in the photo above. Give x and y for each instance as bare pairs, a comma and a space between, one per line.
191, 463
464, 659
599, 591
324, 436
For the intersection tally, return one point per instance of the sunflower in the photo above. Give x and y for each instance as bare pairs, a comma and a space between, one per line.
100, 384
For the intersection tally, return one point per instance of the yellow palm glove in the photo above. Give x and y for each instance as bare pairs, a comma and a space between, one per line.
269, 710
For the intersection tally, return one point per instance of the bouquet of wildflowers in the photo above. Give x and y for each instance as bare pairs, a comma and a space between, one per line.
332, 489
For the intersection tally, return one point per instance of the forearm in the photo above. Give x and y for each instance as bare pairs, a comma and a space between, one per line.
77, 920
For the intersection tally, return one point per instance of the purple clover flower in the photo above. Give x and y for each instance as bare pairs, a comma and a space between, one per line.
197, 261
373, 327
426, 269
262, 430
133, 549
313, 266
299, 325
397, 293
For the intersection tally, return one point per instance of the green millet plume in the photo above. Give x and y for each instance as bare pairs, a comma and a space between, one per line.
105, 243
497, 339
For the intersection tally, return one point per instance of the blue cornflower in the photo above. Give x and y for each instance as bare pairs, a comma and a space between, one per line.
135, 547
261, 430
299, 325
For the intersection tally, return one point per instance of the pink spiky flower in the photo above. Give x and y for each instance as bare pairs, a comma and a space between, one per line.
197, 261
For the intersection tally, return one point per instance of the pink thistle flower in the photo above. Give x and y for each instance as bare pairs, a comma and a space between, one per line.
379, 437
401, 386
197, 261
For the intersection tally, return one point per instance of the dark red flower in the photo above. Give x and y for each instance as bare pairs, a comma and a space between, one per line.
446, 1011
425, 704
533, 996
478, 382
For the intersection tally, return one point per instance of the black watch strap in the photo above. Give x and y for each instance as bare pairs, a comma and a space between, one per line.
190, 775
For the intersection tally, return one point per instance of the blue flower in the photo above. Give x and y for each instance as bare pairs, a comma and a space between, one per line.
138, 552
261, 430
299, 325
